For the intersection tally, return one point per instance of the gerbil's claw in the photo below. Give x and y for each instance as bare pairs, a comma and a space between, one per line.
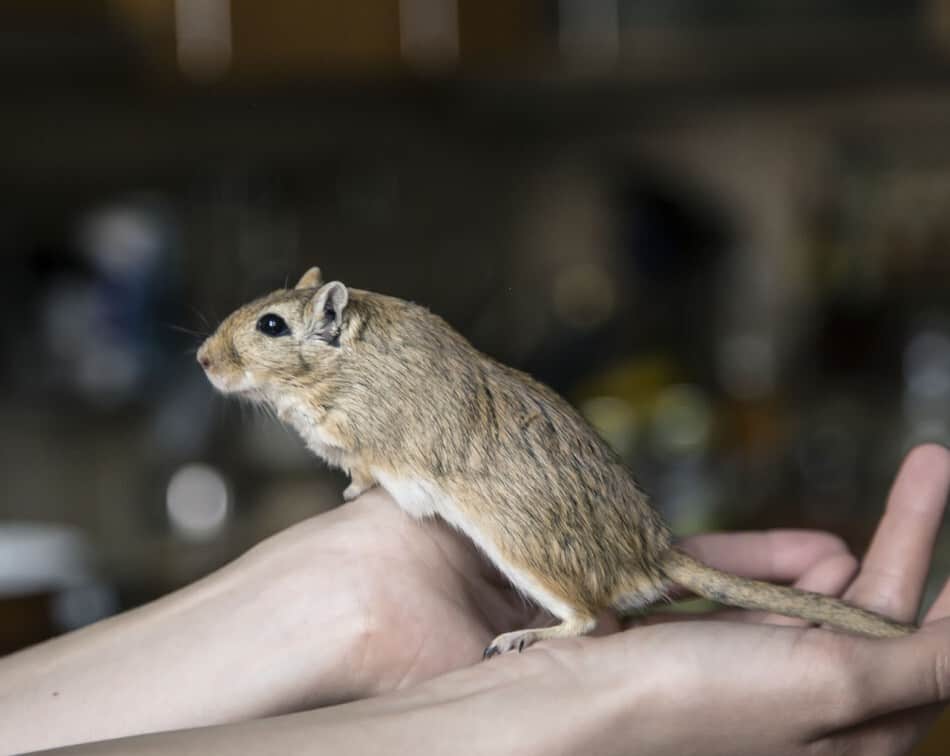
518, 641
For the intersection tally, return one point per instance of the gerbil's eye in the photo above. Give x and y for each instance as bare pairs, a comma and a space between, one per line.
272, 325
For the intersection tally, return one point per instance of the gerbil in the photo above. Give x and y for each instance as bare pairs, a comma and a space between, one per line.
390, 393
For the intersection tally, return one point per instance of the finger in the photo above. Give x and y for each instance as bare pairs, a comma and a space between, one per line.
831, 576
902, 673
899, 731
892, 576
775, 555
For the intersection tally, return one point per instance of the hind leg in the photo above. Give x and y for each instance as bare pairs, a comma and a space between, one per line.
579, 624
637, 595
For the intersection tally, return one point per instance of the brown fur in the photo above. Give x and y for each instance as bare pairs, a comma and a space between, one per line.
383, 388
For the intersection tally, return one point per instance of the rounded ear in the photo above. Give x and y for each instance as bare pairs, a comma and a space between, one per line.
310, 280
325, 313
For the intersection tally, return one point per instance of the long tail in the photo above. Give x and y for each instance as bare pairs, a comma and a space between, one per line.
746, 593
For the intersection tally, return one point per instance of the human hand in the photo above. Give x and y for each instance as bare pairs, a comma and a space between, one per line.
732, 687
720, 688
428, 603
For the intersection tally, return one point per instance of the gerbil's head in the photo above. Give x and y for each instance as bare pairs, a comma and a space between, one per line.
288, 340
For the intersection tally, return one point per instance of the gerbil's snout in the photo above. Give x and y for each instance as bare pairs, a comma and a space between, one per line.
203, 358
223, 367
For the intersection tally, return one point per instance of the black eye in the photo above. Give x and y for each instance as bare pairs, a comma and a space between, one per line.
272, 325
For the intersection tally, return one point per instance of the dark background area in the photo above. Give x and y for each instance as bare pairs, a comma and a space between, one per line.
720, 229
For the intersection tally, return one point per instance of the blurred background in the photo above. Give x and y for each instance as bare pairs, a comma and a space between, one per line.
720, 229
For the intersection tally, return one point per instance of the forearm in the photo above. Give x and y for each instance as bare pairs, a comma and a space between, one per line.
485, 709
257, 638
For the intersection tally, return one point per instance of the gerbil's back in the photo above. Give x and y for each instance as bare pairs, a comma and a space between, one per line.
564, 483
507, 447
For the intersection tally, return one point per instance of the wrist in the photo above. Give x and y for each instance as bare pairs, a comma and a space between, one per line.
303, 616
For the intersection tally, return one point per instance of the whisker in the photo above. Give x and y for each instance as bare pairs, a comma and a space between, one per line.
188, 331
201, 316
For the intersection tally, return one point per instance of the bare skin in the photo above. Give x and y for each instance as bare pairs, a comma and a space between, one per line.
801, 691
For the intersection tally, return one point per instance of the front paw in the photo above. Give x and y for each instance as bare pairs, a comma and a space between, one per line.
353, 490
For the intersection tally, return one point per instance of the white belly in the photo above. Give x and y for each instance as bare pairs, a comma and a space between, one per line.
416, 497
421, 498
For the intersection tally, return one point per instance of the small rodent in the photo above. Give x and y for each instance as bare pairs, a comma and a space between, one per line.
391, 394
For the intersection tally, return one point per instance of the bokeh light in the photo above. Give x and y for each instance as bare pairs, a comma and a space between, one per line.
197, 501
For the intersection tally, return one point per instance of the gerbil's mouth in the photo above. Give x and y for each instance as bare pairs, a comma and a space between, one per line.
241, 384
225, 378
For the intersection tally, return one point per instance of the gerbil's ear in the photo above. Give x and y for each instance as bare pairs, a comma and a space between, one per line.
310, 280
325, 312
